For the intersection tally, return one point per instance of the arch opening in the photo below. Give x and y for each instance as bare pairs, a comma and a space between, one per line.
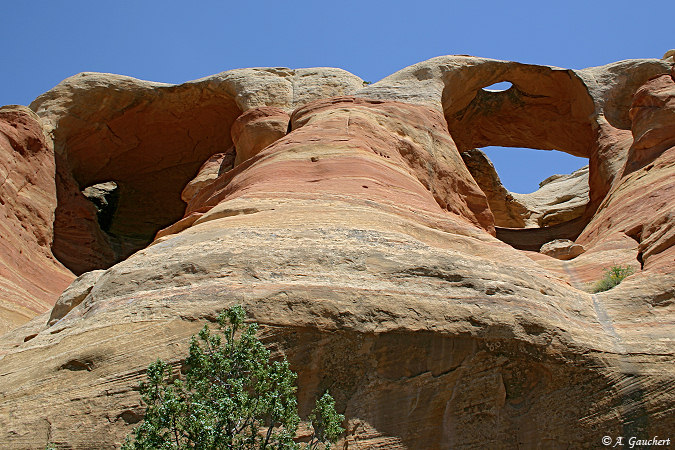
538, 108
524, 170
557, 198
556, 210
498, 87
105, 197
120, 176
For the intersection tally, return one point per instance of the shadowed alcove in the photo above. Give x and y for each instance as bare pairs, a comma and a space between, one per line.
149, 146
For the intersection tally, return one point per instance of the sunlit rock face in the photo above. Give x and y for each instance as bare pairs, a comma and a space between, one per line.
31, 278
374, 246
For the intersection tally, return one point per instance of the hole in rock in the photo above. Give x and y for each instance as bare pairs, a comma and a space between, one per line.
105, 197
524, 170
535, 196
130, 417
120, 176
77, 365
498, 87
543, 109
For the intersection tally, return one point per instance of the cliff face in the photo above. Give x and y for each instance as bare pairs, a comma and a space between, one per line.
31, 279
345, 220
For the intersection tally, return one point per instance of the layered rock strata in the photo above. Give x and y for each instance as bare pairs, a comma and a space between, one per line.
31, 279
150, 139
559, 199
361, 242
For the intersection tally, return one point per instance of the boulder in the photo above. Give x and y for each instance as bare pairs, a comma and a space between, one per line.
562, 249
74, 295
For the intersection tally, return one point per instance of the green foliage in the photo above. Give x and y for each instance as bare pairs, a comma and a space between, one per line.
612, 277
232, 396
326, 422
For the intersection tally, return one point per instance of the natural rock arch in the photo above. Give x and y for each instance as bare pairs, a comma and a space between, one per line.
151, 139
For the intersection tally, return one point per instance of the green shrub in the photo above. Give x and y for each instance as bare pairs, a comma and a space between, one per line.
232, 396
612, 277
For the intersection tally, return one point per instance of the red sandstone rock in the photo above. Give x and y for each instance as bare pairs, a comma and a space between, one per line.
607, 160
151, 139
364, 247
79, 242
653, 118
545, 109
256, 129
641, 203
350, 149
208, 172
31, 279
508, 212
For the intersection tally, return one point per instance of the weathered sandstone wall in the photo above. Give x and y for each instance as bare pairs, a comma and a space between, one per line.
344, 219
31, 279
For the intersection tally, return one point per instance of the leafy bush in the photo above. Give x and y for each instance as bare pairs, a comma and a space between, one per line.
232, 396
612, 277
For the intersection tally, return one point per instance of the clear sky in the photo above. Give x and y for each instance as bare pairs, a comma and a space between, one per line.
176, 41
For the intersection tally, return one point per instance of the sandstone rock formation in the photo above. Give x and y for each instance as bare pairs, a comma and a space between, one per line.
31, 278
559, 199
209, 171
150, 139
360, 240
562, 249
256, 129
73, 295
507, 211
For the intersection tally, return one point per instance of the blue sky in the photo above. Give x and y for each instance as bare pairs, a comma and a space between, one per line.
176, 41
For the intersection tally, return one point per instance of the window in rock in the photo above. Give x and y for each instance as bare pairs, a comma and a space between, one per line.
530, 188
498, 87
105, 196
554, 196
521, 170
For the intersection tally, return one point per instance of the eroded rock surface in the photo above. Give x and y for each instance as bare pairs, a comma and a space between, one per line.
508, 212
562, 249
638, 211
361, 242
213, 167
74, 295
256, 129
559, 199
31, 279
151, 139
